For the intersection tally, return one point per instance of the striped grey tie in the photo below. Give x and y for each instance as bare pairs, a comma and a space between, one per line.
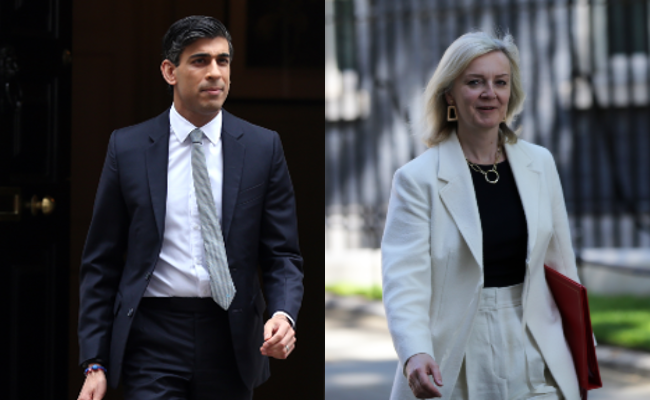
223, 289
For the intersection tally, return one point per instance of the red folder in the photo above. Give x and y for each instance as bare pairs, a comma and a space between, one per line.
571, 300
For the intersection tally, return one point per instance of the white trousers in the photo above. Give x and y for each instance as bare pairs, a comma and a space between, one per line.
501, 361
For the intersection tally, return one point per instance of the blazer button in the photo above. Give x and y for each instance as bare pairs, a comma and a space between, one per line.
130, 313
148, 276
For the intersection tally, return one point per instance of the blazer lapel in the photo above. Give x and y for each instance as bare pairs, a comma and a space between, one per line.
157, 159
458, 195
527, 179
233, 163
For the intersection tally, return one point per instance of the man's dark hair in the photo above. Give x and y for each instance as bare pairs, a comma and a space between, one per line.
185, 31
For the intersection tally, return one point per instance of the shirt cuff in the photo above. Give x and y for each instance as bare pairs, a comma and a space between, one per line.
293, 323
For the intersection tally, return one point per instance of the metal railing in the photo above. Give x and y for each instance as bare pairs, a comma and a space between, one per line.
586, 70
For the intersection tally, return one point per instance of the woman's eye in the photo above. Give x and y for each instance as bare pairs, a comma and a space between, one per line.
473, 82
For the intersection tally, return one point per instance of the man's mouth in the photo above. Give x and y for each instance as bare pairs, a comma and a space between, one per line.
213, 90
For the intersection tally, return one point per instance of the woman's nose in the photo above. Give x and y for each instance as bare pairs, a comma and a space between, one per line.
489, 92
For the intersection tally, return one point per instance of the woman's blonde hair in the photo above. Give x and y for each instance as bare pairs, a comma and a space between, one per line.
455, 60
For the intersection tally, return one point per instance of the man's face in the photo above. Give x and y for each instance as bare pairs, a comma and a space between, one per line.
201, 80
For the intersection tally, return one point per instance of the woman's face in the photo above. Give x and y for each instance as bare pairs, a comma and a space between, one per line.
481, 93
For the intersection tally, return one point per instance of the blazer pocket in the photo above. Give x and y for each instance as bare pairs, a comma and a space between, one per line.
118, 304
248, 189
251, 194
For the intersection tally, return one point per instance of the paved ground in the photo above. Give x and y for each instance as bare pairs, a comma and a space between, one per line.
360, 360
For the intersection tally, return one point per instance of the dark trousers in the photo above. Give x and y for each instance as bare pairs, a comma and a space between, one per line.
180, 348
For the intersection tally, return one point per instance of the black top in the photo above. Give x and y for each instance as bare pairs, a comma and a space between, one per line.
503, 221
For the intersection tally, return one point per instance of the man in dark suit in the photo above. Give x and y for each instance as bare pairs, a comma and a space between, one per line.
189, 206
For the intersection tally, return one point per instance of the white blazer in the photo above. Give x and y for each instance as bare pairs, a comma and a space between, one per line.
432, 260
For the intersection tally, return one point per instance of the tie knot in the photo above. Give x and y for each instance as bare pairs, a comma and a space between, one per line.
196, 135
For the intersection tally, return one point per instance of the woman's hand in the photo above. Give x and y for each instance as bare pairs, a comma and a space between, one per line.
418, 369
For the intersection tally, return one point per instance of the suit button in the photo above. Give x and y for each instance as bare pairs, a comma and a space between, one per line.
130, 313
148, 276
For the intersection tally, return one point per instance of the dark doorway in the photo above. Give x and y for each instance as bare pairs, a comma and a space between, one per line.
34, 197
47, 154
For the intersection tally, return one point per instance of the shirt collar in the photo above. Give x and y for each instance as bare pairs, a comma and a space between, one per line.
181, 127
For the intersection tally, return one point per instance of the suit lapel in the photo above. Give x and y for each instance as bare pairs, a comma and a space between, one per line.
527, 179
157, 159
233, 162
457, 193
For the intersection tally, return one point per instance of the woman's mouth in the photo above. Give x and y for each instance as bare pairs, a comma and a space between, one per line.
486, 109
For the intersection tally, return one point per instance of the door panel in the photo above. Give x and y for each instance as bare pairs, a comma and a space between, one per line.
34, 235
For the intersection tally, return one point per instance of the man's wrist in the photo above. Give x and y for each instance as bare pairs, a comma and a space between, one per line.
93, 368
92, 361
285, 315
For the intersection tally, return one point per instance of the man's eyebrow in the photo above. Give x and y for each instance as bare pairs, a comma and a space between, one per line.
201, 55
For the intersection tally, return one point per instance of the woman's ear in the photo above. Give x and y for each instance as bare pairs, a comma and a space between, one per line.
450, 100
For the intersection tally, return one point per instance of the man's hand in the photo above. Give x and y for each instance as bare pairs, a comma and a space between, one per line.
279, 338
418, 369
94, 387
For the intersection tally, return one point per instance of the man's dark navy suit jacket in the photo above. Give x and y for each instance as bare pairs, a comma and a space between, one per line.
126, 234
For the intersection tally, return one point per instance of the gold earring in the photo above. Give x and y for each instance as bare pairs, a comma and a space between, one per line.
451, 118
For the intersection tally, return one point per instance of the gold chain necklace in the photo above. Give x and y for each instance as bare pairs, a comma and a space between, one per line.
485, 173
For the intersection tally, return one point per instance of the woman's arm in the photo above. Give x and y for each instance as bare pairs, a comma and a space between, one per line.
406, 267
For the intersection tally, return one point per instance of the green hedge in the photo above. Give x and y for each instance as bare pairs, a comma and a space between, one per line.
350, 289
617, 320
621, 320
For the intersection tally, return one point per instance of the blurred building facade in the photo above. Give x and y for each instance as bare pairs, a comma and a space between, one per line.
586, 70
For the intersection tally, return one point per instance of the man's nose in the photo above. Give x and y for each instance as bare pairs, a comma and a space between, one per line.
213, 70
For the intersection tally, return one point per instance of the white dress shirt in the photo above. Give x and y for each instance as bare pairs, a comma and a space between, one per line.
180, 271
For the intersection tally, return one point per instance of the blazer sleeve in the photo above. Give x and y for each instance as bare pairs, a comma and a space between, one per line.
406, 267
559, 255
279, 253
102, 262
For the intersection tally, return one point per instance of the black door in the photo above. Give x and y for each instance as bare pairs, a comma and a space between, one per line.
34, 197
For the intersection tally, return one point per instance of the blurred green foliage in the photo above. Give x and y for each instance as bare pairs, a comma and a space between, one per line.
621, 320
350, 289
617, 320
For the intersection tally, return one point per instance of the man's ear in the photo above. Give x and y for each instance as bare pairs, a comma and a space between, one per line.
168, 70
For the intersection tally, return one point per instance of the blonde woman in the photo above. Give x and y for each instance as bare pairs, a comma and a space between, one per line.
470, 225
